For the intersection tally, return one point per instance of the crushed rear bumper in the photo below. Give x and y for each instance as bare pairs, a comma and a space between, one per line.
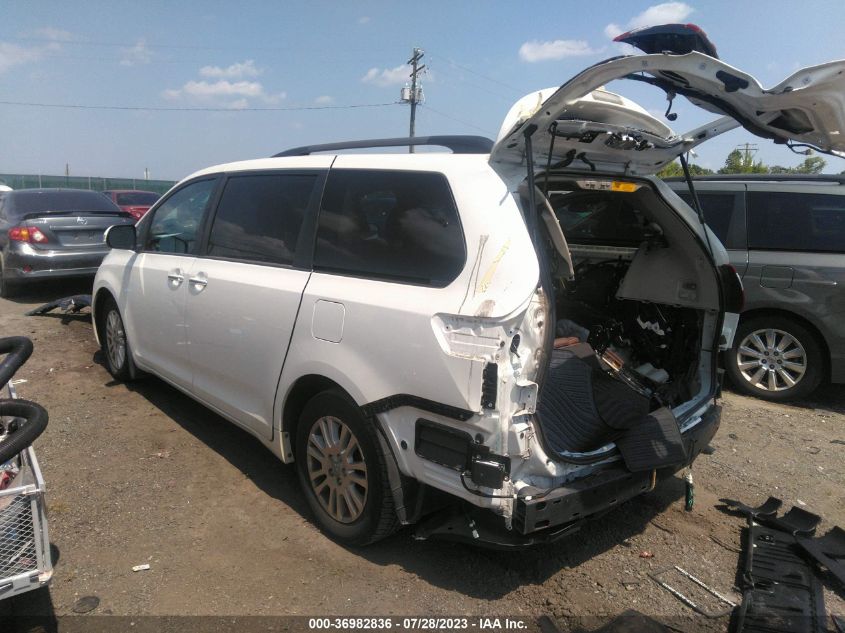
607, 488
564, 510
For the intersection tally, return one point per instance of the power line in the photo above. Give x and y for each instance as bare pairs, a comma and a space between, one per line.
478, 74
456, 120
76, 106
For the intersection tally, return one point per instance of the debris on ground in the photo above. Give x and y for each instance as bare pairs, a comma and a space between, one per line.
86, 604
68, 305
143, 567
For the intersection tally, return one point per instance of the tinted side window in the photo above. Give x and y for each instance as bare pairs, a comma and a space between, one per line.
259, 217
390, 225
718, 210
604, 219
175, 224
796, 221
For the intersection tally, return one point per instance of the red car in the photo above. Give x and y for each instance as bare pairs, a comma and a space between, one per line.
133, 201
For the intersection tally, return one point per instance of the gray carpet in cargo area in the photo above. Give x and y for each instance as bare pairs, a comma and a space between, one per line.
582, 409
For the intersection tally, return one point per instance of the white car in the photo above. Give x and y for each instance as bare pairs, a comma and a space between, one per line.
519, 337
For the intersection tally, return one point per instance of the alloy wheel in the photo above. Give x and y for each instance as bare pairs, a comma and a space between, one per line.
336, 469
115, 340
771, 359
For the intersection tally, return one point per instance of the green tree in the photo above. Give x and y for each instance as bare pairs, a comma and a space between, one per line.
811, 165
738, 162
674, 169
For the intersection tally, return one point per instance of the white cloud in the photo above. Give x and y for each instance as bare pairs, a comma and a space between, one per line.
54, 34
136, 55
387, 76
364, 19
208, 91
665, 13
324, 100
12, 55
234, 71
536, 51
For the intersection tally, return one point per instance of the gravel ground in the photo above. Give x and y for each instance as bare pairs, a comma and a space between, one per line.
142, 474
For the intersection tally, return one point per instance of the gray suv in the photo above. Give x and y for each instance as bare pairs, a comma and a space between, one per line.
785, 235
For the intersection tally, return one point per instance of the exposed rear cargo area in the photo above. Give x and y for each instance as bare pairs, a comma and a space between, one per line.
634, 324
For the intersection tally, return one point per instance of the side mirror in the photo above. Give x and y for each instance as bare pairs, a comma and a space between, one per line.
121, 236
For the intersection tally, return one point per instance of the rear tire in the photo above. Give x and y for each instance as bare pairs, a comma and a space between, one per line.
114, 344
775, 358
343, 471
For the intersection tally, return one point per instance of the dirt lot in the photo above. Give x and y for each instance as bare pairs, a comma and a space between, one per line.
142, 474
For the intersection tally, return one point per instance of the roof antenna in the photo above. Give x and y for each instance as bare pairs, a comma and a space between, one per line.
670, 96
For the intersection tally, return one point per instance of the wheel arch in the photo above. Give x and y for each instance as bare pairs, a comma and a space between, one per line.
801, 320
306, 387
97, 310
301, 391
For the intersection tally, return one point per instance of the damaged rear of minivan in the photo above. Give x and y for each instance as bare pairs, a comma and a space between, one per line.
609, 381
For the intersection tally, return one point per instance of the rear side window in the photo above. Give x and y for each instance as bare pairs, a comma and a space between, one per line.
259, 217
391, 225
718, 211
796, 221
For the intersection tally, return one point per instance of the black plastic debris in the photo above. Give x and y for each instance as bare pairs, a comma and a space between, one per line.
769, 507
828, 550
781, 592
72, 305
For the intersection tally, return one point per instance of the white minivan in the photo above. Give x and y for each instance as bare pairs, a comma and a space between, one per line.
496, 343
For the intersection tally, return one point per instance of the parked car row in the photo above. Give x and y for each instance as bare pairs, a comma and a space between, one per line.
785, 235
54, 233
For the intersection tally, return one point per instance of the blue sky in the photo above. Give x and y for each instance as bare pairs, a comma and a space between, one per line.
482, 56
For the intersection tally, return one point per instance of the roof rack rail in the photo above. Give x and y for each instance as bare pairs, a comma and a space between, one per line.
837, 178
460, 144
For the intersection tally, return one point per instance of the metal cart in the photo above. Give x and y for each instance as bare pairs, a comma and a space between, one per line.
25, 561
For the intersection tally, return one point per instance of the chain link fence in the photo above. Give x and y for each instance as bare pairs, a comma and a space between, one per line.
94, 183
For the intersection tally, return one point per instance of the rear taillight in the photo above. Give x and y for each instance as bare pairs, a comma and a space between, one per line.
26, 234
732, 291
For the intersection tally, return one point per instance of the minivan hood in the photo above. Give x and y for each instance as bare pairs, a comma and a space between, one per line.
596, 130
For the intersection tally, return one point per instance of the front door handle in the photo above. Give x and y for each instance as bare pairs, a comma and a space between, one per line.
176, 277
199, 281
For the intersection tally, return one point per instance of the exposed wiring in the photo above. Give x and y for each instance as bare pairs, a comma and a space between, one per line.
478, 493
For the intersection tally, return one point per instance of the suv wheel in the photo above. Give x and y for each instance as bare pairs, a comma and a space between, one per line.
114, 344
775, 358
342, 470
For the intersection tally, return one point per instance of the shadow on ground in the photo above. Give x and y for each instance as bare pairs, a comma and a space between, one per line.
50, 290
475, 572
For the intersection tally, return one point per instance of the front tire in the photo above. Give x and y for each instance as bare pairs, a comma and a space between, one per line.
775, 358
343, 470
114, 343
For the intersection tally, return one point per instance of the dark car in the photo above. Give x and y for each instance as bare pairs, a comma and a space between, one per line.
785, 235
133, 201
48, 233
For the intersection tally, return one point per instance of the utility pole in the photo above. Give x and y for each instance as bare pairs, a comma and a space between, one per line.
749, 149
414, 96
